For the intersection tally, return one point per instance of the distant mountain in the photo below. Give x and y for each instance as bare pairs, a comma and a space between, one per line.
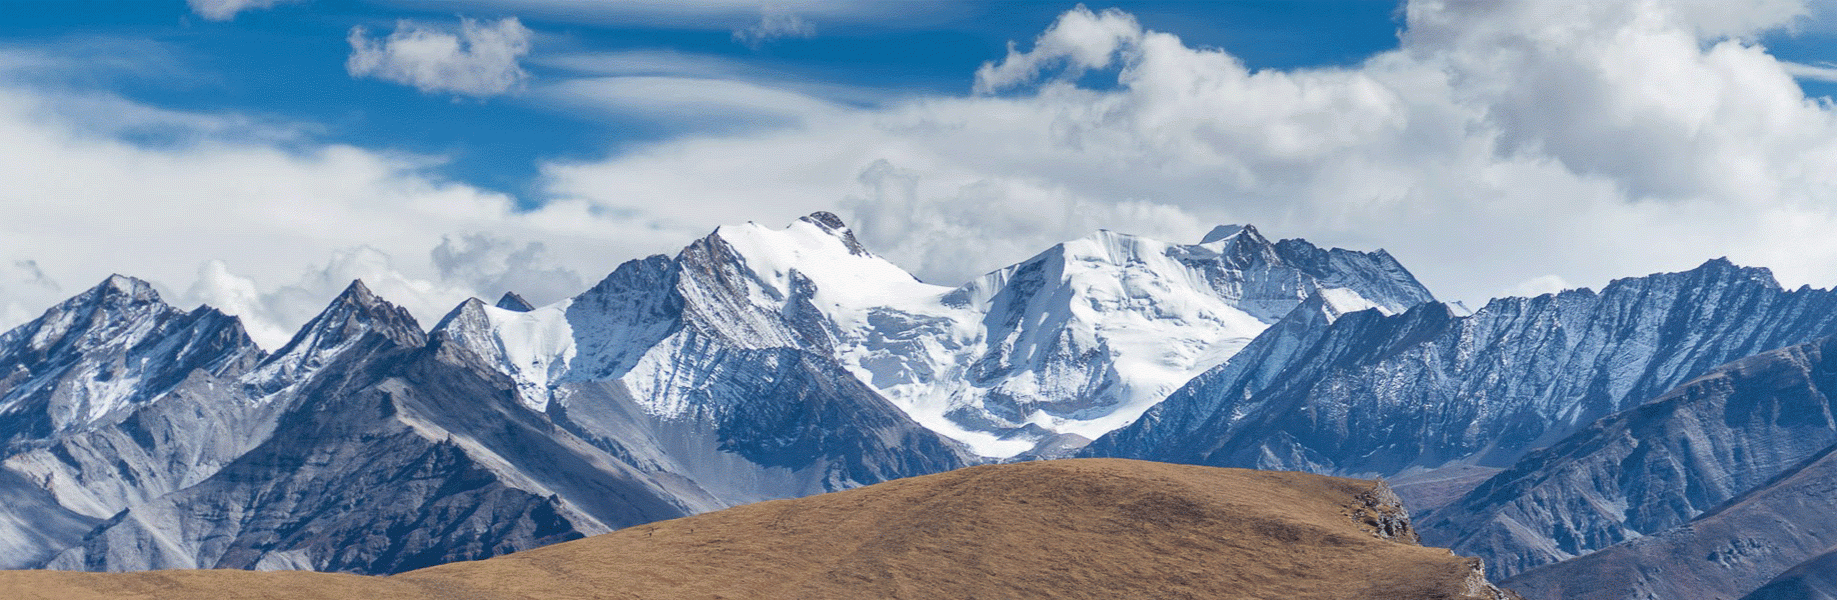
1368, 393
385, 456
109, 399
1050, 352
1656, 466
759, 364
1726, 553
1059, 529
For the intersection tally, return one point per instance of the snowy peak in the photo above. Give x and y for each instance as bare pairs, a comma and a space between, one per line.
121, 288
513, 302
1221, 232
750, 282
104, 351
531, 346
354, 315
119, 310
466, 324
833, 225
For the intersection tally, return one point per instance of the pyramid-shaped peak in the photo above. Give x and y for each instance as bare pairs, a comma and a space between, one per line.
354, 310
357, 293
1221, 232
1240, 232
833, 225
511, 301
125, 287
825, 219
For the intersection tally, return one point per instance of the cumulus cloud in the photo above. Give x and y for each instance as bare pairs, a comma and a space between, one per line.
774, 24
478, 59
1078, 41
253, 216
1503, 147
224, 10
494, 265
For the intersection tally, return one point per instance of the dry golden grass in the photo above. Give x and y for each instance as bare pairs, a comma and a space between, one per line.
1061, 529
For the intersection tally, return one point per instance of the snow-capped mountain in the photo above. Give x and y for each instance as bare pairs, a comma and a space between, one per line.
1710, 490
1383, 394
1371, 394
1063, 347
111, 398
1661, 464
387, 452
762, 363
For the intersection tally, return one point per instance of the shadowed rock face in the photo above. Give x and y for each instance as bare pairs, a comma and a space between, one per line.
1367, 393
1431, 390
1055, 529
1654, 467
1726, 553
1815, 579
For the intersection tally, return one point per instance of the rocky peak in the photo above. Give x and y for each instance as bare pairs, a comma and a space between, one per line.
833, 225
121, 288
513, 302
1221, 232
468, 318
118, 311
356, 313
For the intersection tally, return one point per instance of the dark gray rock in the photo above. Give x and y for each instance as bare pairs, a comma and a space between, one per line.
1726, 553
1381, 395
1815, 579
1653, 467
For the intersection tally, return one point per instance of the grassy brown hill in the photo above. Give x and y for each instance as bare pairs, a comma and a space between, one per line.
1060, 529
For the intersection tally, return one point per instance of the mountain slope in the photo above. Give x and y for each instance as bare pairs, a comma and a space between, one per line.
392, 455
1815, 579
1050, 352
112, 398
1726, 553
1389, 395
1655, 466
1055, 529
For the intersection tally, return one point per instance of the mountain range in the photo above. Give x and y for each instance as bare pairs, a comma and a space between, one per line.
1619, 428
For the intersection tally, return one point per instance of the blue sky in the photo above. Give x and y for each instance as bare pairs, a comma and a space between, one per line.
257, 154
287, 62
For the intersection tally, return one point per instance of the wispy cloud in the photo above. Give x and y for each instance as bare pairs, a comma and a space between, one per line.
1503, 147
703, 14
1822, 72
774, 24
476, 59
224, 10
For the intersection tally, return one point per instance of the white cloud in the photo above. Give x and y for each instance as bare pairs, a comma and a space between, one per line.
231, 211
1080, 40
493, 265
1503, 142
1505, 147
479, 59
1824, 72
224, 10
709, 14
774, 24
